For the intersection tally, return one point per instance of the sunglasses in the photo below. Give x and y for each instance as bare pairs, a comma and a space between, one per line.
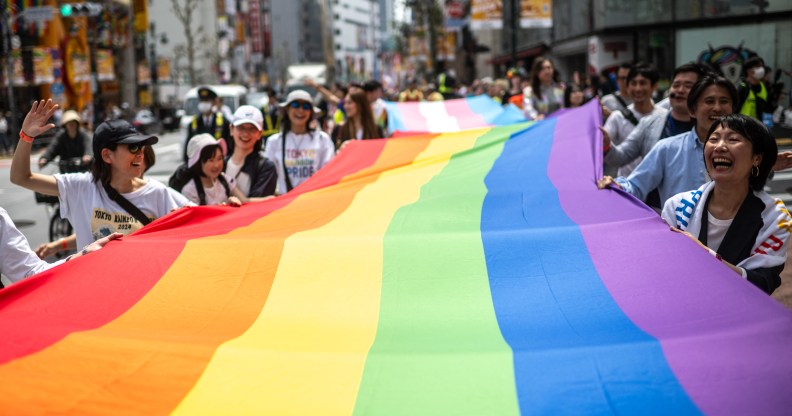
301, 104
135, 148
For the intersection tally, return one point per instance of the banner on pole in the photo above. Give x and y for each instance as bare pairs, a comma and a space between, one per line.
486, 14
536, 13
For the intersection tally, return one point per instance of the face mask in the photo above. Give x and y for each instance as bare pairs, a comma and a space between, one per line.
204, 106
759, 73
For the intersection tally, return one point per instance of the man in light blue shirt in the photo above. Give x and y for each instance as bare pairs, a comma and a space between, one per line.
676, 164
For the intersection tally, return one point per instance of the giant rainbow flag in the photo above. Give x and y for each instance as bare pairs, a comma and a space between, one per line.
478, 272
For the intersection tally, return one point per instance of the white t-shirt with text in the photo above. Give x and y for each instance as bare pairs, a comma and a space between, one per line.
305, 155
94, 215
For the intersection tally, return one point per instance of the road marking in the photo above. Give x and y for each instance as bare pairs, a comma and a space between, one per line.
783, 176
168, 148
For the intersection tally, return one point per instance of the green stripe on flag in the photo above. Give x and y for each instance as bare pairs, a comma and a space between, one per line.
438, 348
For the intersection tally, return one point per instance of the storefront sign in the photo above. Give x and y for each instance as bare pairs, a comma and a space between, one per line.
163, 70
104, 65
486, 14
42, 66
536, 13
608, 52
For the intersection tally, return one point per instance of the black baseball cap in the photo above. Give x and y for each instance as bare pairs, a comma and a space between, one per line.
118, 132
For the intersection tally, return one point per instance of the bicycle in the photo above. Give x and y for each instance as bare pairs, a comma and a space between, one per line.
60, 227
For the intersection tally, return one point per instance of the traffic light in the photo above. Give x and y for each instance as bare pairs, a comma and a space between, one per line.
80, 9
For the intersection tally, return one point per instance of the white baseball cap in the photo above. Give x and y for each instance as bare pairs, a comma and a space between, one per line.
248, 114
297, 95
198, 142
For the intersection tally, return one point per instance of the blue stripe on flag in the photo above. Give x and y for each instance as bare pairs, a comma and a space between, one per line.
574, 348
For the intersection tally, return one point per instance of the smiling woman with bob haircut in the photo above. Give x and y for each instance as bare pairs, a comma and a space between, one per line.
732, 216
89, 200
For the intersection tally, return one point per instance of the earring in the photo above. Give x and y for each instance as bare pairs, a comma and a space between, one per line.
755, 171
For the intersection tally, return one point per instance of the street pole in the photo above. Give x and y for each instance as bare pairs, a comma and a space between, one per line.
514, 16
154, 75
9, 65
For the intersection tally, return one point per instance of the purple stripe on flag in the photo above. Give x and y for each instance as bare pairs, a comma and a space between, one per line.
727, 343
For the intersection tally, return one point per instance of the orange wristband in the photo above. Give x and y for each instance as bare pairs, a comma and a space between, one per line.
64, 246
25, 137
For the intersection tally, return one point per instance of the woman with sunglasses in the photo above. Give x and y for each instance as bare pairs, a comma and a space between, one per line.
97, 203
298, 151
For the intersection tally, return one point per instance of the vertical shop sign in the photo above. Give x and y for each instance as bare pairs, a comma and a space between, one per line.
144, 73
254, 25
104, 65
536, 13
163, 70
486, 14
42, 66
140, 10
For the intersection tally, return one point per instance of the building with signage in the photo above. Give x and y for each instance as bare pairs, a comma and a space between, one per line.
78, 54
596, 35
356, 38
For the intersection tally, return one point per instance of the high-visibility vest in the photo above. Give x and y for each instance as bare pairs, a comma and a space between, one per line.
218, 133
442, 88
270, 127
749, 106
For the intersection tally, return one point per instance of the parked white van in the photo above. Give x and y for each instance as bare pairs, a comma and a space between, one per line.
233, 96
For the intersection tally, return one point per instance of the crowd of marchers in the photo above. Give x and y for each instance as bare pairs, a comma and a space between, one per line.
701, 155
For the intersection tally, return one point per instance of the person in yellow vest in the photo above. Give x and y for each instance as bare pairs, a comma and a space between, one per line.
209, 121
447, 85
411, 93
752, 91
272, 116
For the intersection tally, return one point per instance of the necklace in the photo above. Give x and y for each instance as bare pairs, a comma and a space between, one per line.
298, 144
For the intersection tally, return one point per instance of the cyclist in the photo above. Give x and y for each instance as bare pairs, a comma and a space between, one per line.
70, 143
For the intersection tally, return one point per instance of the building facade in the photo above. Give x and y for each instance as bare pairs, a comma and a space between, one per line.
356, 38
591, 36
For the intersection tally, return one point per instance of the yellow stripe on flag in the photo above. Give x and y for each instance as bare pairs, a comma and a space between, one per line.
306, 351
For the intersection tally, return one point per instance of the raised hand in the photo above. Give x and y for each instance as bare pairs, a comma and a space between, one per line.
784, 161
37, 119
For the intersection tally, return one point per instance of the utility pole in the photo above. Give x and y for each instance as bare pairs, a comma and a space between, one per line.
514, 19
154, 68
